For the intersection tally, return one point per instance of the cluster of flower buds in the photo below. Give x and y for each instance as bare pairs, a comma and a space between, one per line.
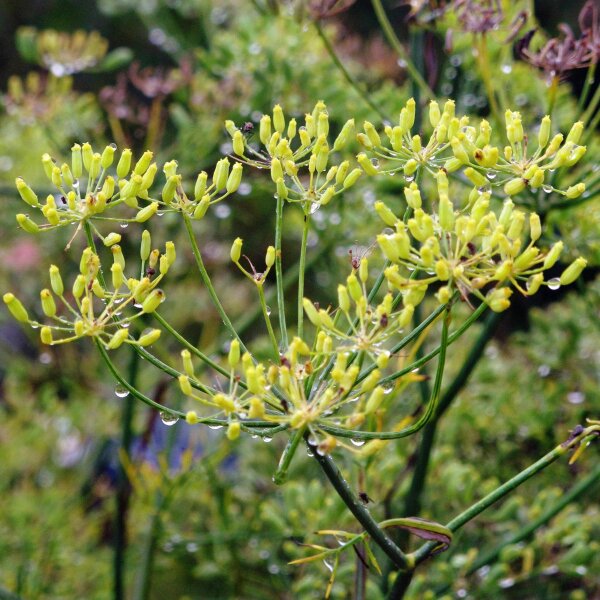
455, 145
93, 308
473, 250
288, 149
257, 277
126, 183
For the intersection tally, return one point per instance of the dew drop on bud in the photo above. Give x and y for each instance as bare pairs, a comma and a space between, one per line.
554, 283
358, 442
547, 188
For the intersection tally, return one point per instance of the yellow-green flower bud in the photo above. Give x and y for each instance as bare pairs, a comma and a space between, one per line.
475, 177
200, 187
236, 250
343, 298
516, 225
46, 336
123, 165
416, 144
537, 179
534, 283
168, 191
48, 164
278, 119
233, 357
459, 151
66, 174
26, 193
276, 170
575, 191
385, 214
344, 136
396, 138
413, 196
354, 287
446, 213
170, 168
188, 365
164, 265
153, 301
282, 190
506, 213
117, 275
264, 130
544, 132
525, 260
234, 179
372, 134
78, 286
191, 417
270, 257
184, 385
27, 224
170, 253
238, 143
323, 124
149, 337
576, 132
444, 294
145, 213
111, 239
364, 141
108, 155
409, 116
368, 167
535, 227
56, 177
233, 430
485, 132
311, 312
117, 339
79, 328
573, 271
434, 113
498, 299
410, 167
202, 207
257, 408
554, 144
143, 163
514, 186
327, 195
145, 245
76, 161
442, 270
17, 310
118, 257
305, 137
291, 130
322, 158
220, 174
363, 269
504, 270
352, 178
56, 282
108, 187
87, 154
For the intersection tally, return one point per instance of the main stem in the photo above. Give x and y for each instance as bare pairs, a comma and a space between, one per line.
302, 273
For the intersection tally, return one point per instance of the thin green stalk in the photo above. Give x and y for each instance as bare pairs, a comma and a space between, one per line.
552, 91
281, 474
122, 495
265, 312
473, 511
301, 274
393, 40
279, 273
208, 283
573, 494
347, 76
412, 505
360, 512
203, 357
589, 79
486, 75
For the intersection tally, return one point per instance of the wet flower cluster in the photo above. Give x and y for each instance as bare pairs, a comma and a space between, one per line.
341, 377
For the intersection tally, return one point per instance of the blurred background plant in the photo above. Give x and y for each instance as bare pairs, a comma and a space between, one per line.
203, 518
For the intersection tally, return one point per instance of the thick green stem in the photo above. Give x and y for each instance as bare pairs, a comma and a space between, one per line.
122, 496
394, 42
208, 283
363, 516
281, 474
279, 273
302, 273
347, 76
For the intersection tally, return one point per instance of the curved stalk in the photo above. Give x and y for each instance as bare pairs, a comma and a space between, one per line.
279, 273
267, 318
347, 76
208, 283
395, 43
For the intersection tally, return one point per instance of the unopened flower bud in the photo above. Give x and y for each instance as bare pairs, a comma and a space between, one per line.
202, 207
149, 337
200, 186
46, 336
123, 165
434, 113
184, 385
26, 193
265, 129
311, 312
17, 310
368, 167
111, 239
234, 179
372, 134
191, 417
576, 132
352, 178
534, 283
153, 301
544, 133
276, 170
233, 430
475, 177
385, 214
535, 227
143, 163
117, 275
575, 191
573, 271
145, 213
117, 339
553, 255
27, 224
87, 154
236, 250
170, 187
514, 186
344, 136
76, 161
220, 174
238, 143
108, 156
270, 257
